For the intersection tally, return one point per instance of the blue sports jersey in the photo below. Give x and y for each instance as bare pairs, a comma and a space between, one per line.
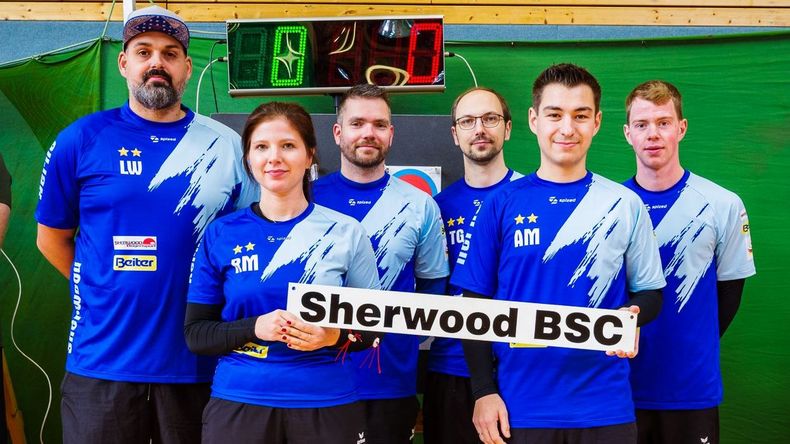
703, 237
459, 204
405, 228
142, 194
245, 264
586, 243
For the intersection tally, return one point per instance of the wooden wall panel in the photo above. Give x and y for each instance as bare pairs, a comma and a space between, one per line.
536, 12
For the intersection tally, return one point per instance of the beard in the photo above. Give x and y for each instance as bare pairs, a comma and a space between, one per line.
158, 95
482, 157
350, 153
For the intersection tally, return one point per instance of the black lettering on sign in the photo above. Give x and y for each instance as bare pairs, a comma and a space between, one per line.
419, 317
485, 323
600, 325
389, 312
511, 320
547, 325
318, 312
335, 306
457, 321
368, 315
575, 323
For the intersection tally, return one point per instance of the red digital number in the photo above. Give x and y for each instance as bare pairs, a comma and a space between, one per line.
421, 32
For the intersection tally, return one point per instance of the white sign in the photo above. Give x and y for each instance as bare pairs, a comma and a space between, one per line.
518, 323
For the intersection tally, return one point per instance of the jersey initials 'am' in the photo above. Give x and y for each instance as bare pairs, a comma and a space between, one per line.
526, 237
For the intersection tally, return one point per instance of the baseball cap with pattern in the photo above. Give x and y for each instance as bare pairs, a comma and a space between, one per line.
155, 18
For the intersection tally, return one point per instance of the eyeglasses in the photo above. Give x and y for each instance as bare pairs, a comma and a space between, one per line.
490, 120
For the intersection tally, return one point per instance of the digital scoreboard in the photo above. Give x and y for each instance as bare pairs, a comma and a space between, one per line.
330, 55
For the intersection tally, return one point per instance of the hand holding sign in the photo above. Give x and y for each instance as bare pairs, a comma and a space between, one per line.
269, 327
628, 354
282, 326
306, 337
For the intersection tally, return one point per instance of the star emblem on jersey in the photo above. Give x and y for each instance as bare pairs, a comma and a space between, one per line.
123, 152
237, 249
460, 220
451, 222
249, 247
136, 152
532, 218
519, 219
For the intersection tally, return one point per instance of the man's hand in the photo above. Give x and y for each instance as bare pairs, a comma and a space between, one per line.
490, 411
632, 354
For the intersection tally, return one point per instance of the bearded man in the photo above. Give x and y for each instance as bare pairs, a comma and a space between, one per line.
125, 197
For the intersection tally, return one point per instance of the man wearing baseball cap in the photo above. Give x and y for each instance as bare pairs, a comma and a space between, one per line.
125, 197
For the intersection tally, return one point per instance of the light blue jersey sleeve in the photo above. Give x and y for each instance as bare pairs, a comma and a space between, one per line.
431, 256
734, 258
642, 259
249, 190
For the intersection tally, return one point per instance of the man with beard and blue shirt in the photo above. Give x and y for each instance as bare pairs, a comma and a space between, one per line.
125, 197
405, 227
704, 239
481, 125
562, 235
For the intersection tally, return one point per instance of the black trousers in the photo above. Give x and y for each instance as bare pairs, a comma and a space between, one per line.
678, 426
100, 411
447, 410
235, 422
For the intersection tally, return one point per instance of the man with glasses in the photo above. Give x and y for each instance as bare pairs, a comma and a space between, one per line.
481, 125
561, 235
405, 227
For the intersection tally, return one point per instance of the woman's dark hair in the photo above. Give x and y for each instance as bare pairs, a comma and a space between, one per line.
297, 117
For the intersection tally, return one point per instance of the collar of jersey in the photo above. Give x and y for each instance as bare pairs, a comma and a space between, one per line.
671, 190
136, 120
547, 183
378, 183
281, 223
490, 187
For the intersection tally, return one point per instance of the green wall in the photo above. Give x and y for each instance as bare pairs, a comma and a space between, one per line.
737, 100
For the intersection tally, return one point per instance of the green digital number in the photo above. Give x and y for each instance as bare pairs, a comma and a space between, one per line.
289, 60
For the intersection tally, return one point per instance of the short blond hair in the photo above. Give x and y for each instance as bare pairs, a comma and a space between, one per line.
655, 91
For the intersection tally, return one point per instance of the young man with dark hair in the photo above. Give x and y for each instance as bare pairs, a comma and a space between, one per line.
405, 227
704, 240
481, 124
125, 198
561, 235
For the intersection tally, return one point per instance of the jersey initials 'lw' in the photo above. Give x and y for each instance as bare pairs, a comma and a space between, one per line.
526, 237
131, 167
245, 263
